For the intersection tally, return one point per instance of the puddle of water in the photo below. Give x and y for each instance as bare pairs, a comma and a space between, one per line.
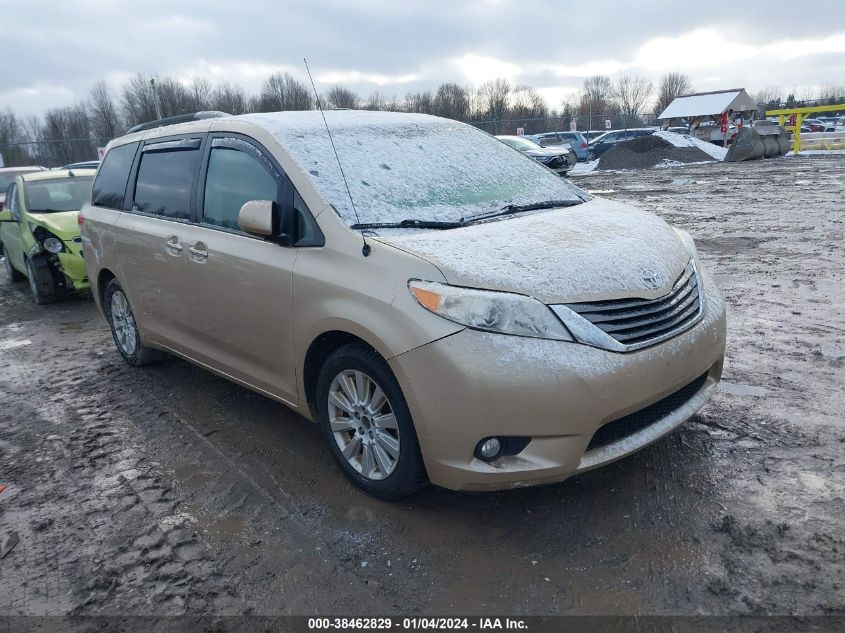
681, 181
230, 527
12, 343
738, 389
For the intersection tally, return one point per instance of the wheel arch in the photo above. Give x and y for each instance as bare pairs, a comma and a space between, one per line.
103, 278
318, 351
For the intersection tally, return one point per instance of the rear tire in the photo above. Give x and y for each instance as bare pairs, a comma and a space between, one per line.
42, 286
360, 406
124, 330
13, 273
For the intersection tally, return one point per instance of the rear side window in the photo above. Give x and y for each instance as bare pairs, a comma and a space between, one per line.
110, 185
234, 177
166, 178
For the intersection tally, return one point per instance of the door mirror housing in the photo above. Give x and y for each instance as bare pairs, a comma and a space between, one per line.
265, 218
256, 217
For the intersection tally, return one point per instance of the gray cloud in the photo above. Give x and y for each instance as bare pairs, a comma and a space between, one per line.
55, 51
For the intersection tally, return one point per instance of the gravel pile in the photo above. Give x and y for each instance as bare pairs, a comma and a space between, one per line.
649, 151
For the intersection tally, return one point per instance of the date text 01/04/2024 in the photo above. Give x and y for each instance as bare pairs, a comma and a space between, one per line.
416, 624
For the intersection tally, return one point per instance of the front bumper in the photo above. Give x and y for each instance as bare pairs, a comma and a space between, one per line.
72, 265
472, 385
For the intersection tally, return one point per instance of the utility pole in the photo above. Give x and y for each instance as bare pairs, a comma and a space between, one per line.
156, 101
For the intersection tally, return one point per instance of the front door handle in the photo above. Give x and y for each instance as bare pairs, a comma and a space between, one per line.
198, 251
173, 245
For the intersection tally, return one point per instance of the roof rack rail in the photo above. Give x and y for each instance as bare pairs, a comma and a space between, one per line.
179, 118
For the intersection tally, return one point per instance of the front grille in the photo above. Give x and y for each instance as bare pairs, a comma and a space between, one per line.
633, 321
637, 421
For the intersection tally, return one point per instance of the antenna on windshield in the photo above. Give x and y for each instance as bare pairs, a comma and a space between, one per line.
365, 250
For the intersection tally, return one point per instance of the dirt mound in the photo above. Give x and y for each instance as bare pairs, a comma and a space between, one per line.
649, 151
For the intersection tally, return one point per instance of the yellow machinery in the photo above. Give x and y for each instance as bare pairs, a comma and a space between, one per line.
802, 113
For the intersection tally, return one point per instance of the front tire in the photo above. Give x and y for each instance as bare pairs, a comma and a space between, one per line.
366, 423
42, 286
124, 330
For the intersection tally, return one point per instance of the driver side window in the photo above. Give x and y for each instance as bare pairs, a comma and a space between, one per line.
234, 177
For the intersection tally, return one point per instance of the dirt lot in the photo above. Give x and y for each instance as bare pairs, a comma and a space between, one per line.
168, 490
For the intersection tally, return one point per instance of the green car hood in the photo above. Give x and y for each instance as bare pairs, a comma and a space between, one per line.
63, 225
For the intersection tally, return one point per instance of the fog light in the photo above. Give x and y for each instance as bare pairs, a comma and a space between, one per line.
489, 449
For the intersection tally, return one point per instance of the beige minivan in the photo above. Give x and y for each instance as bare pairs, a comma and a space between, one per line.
443, 306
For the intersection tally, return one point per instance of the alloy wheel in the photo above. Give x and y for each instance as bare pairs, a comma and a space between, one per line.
363, 424
123, 323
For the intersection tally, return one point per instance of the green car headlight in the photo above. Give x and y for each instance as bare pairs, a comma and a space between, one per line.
53, 245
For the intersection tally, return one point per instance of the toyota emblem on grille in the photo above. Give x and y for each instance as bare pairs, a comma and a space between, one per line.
652, 279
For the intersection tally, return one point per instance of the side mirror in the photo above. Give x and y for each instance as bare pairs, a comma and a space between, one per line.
256, 217
6, 216
265, 219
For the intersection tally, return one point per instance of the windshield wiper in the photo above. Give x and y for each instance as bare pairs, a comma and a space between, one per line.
409, 224
46, 211
510, 209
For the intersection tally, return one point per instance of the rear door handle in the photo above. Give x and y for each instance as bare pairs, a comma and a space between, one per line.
173, 245
198, 251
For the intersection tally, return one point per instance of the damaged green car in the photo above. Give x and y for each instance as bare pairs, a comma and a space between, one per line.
39, 232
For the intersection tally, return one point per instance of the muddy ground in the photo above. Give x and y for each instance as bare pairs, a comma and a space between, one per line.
168, 490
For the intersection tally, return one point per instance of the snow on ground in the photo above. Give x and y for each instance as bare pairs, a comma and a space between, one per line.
685, 140
816, 152
584, 168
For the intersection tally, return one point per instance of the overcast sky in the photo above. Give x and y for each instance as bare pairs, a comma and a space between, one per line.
54, 51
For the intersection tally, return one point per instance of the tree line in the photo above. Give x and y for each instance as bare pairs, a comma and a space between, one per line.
72, 133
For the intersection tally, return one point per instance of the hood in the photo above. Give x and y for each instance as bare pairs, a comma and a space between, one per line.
547, 152
63, 225
591, 252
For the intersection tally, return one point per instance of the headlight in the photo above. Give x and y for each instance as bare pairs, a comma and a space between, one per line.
53, 245
502, 312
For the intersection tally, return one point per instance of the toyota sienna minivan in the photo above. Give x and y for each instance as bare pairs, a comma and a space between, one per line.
444, 307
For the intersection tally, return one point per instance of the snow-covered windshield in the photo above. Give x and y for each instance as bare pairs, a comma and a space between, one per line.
402, 166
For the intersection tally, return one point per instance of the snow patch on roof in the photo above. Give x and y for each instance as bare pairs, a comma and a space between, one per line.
708, 104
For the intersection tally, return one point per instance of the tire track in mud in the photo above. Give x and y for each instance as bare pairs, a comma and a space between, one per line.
120, 540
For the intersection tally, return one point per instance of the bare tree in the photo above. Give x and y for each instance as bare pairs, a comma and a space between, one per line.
105, 120
595, 101
174, 97
229, 98
340, 97
452, 101
282, 92
199, 95
374, 102
421, 102
12, 138
138, 101
69, 132
493, 98
632, 95
672, 85
528, 110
